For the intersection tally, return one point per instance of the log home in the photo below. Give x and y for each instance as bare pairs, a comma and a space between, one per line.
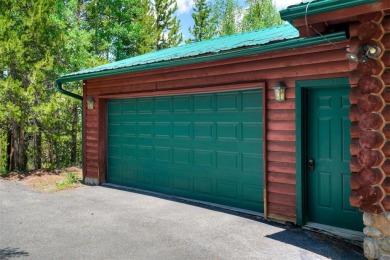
290, 122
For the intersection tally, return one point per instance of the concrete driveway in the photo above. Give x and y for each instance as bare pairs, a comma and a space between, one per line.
105, 223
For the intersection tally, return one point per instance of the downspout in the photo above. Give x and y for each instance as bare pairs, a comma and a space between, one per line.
67, 93
73, 95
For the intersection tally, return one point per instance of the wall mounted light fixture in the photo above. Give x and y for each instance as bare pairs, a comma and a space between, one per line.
90, 103
280, 91
363, 53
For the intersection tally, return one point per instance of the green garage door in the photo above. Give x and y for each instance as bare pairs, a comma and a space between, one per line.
204, 146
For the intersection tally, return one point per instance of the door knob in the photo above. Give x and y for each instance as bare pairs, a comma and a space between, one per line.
310, 164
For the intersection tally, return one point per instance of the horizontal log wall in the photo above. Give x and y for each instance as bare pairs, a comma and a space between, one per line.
325, 61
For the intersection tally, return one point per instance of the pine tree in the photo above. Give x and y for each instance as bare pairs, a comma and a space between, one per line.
166, 25
148, 35
29, 38
227, 13
117, 26
204, 22
39, 41
260, 14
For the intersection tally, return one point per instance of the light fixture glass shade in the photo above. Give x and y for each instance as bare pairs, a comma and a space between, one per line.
280, 92
373, 51
90, 103
352, 57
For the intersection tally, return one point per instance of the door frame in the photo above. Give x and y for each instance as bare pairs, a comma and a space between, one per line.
301, 89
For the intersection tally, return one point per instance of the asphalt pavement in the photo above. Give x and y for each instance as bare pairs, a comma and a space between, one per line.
105, 223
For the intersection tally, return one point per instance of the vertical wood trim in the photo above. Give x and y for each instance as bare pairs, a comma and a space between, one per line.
83, 124
265, 155
299, 99
102, 132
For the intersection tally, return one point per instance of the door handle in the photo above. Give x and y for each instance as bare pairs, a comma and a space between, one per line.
310, 164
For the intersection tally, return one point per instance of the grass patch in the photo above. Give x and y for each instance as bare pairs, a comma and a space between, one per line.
70, 179
4, 172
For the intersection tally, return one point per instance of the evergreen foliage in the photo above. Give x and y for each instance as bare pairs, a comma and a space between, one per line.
227, 14
41, 40
260, 14
166, 25
204, 22
117, 26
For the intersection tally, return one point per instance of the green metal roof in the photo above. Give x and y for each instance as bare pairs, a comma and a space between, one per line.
284, 37
199, 49
318, 7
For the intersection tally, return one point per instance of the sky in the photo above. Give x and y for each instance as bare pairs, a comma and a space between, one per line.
185, 10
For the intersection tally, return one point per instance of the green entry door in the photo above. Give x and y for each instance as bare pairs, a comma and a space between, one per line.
205, 147
328, 146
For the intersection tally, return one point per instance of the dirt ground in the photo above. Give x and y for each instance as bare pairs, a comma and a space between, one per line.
47, 181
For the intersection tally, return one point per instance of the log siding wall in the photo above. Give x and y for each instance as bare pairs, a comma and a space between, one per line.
315, 62
370, 117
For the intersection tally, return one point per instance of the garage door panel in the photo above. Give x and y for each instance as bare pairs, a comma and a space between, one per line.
129, 151
227, 161
115, 151
204, 103
182, 104
203, 185
203, 130
145, 176
115, 108
251, 163
163, 154
145, 106
227, 190
250, 131
203, 146
163, 180
228, 101
145, 129
145, 152
128, 107
181, 183
182, 156
115, 173
227, 131
129, 173
250, 193
250, 100
182, 130
204, 158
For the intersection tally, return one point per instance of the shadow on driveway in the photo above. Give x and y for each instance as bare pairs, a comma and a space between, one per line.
8, 253
321, 244
317, 243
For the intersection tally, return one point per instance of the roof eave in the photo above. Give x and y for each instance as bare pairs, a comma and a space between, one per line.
319, 7
278, 46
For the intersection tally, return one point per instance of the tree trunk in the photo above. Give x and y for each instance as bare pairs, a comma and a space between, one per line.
38, 150
8, 151
19, 142
56, 157
37, 147
50, 152
16, 138
22, 151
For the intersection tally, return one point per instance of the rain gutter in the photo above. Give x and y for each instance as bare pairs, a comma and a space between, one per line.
318, 7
